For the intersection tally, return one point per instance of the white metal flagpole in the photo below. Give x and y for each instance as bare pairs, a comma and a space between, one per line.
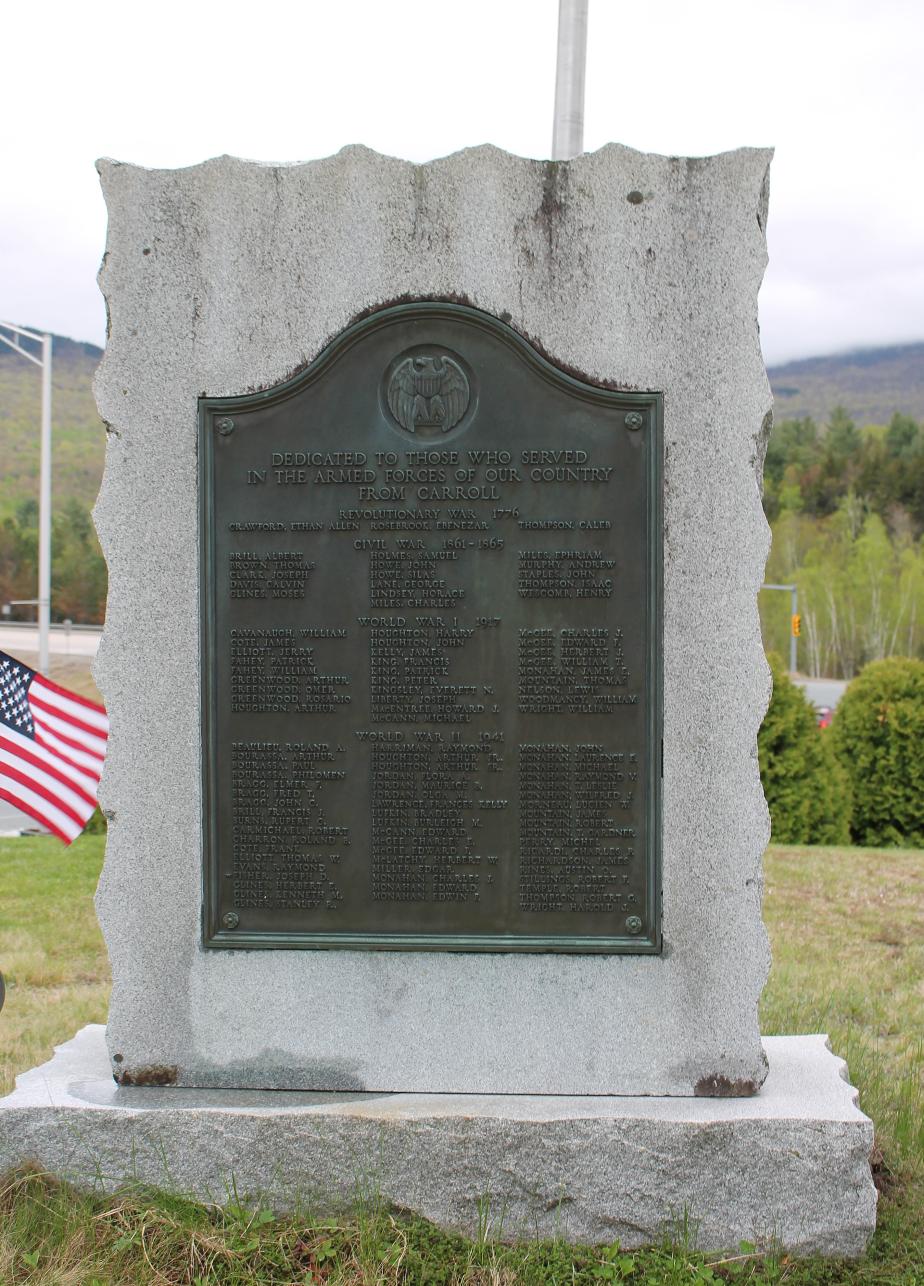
44, 585
568, 125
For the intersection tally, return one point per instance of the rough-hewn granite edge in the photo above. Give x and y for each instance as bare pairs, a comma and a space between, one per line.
789, 1167
230, 275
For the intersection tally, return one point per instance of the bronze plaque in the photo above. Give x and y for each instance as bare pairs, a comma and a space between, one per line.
431, 649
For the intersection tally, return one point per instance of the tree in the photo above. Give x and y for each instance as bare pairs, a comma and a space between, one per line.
18, 564
78, 570
842, 438
903, 438
807, 790
877, 734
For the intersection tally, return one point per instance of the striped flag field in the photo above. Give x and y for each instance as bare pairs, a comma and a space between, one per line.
52, 748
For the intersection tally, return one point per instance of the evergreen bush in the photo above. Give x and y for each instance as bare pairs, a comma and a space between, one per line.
878, 736
807, 790
97, 823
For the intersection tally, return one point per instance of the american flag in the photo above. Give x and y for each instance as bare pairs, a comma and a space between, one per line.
52, 747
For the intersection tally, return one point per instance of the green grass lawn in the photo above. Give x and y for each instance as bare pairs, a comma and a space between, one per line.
847, 928
51, 951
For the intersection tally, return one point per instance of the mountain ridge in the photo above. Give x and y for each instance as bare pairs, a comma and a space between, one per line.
871, 383
62, 347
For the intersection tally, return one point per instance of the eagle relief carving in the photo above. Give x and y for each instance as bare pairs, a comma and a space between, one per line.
428, 390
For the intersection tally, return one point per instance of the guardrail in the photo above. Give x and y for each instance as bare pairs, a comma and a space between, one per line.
54, 629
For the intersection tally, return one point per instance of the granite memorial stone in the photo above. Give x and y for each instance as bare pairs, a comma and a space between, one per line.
432, 657
544, 304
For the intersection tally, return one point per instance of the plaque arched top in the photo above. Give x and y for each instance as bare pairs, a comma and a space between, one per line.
436, 369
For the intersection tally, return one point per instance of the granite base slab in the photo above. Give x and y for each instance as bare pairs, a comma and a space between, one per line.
789, 1166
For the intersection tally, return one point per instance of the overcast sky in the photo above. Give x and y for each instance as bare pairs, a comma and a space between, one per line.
835, 85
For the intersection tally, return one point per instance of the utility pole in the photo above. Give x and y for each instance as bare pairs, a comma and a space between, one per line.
568, 124
19, 333
44, 585
795, 624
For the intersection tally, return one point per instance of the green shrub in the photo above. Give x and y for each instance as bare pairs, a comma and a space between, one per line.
878, 736
97, 823
807, 790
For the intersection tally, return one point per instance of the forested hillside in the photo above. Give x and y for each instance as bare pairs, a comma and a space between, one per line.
78, 437
844, 492
846, 507
78, 586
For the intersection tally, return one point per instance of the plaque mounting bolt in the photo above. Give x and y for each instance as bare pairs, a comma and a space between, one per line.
225, 425
231, 919
634, 420
634, 924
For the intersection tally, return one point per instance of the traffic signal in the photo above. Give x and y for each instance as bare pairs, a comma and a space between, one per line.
796, 625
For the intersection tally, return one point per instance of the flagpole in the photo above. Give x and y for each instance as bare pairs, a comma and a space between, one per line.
568, 123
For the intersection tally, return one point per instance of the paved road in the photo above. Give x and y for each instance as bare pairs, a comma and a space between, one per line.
823, 692
12, 821
61, 641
